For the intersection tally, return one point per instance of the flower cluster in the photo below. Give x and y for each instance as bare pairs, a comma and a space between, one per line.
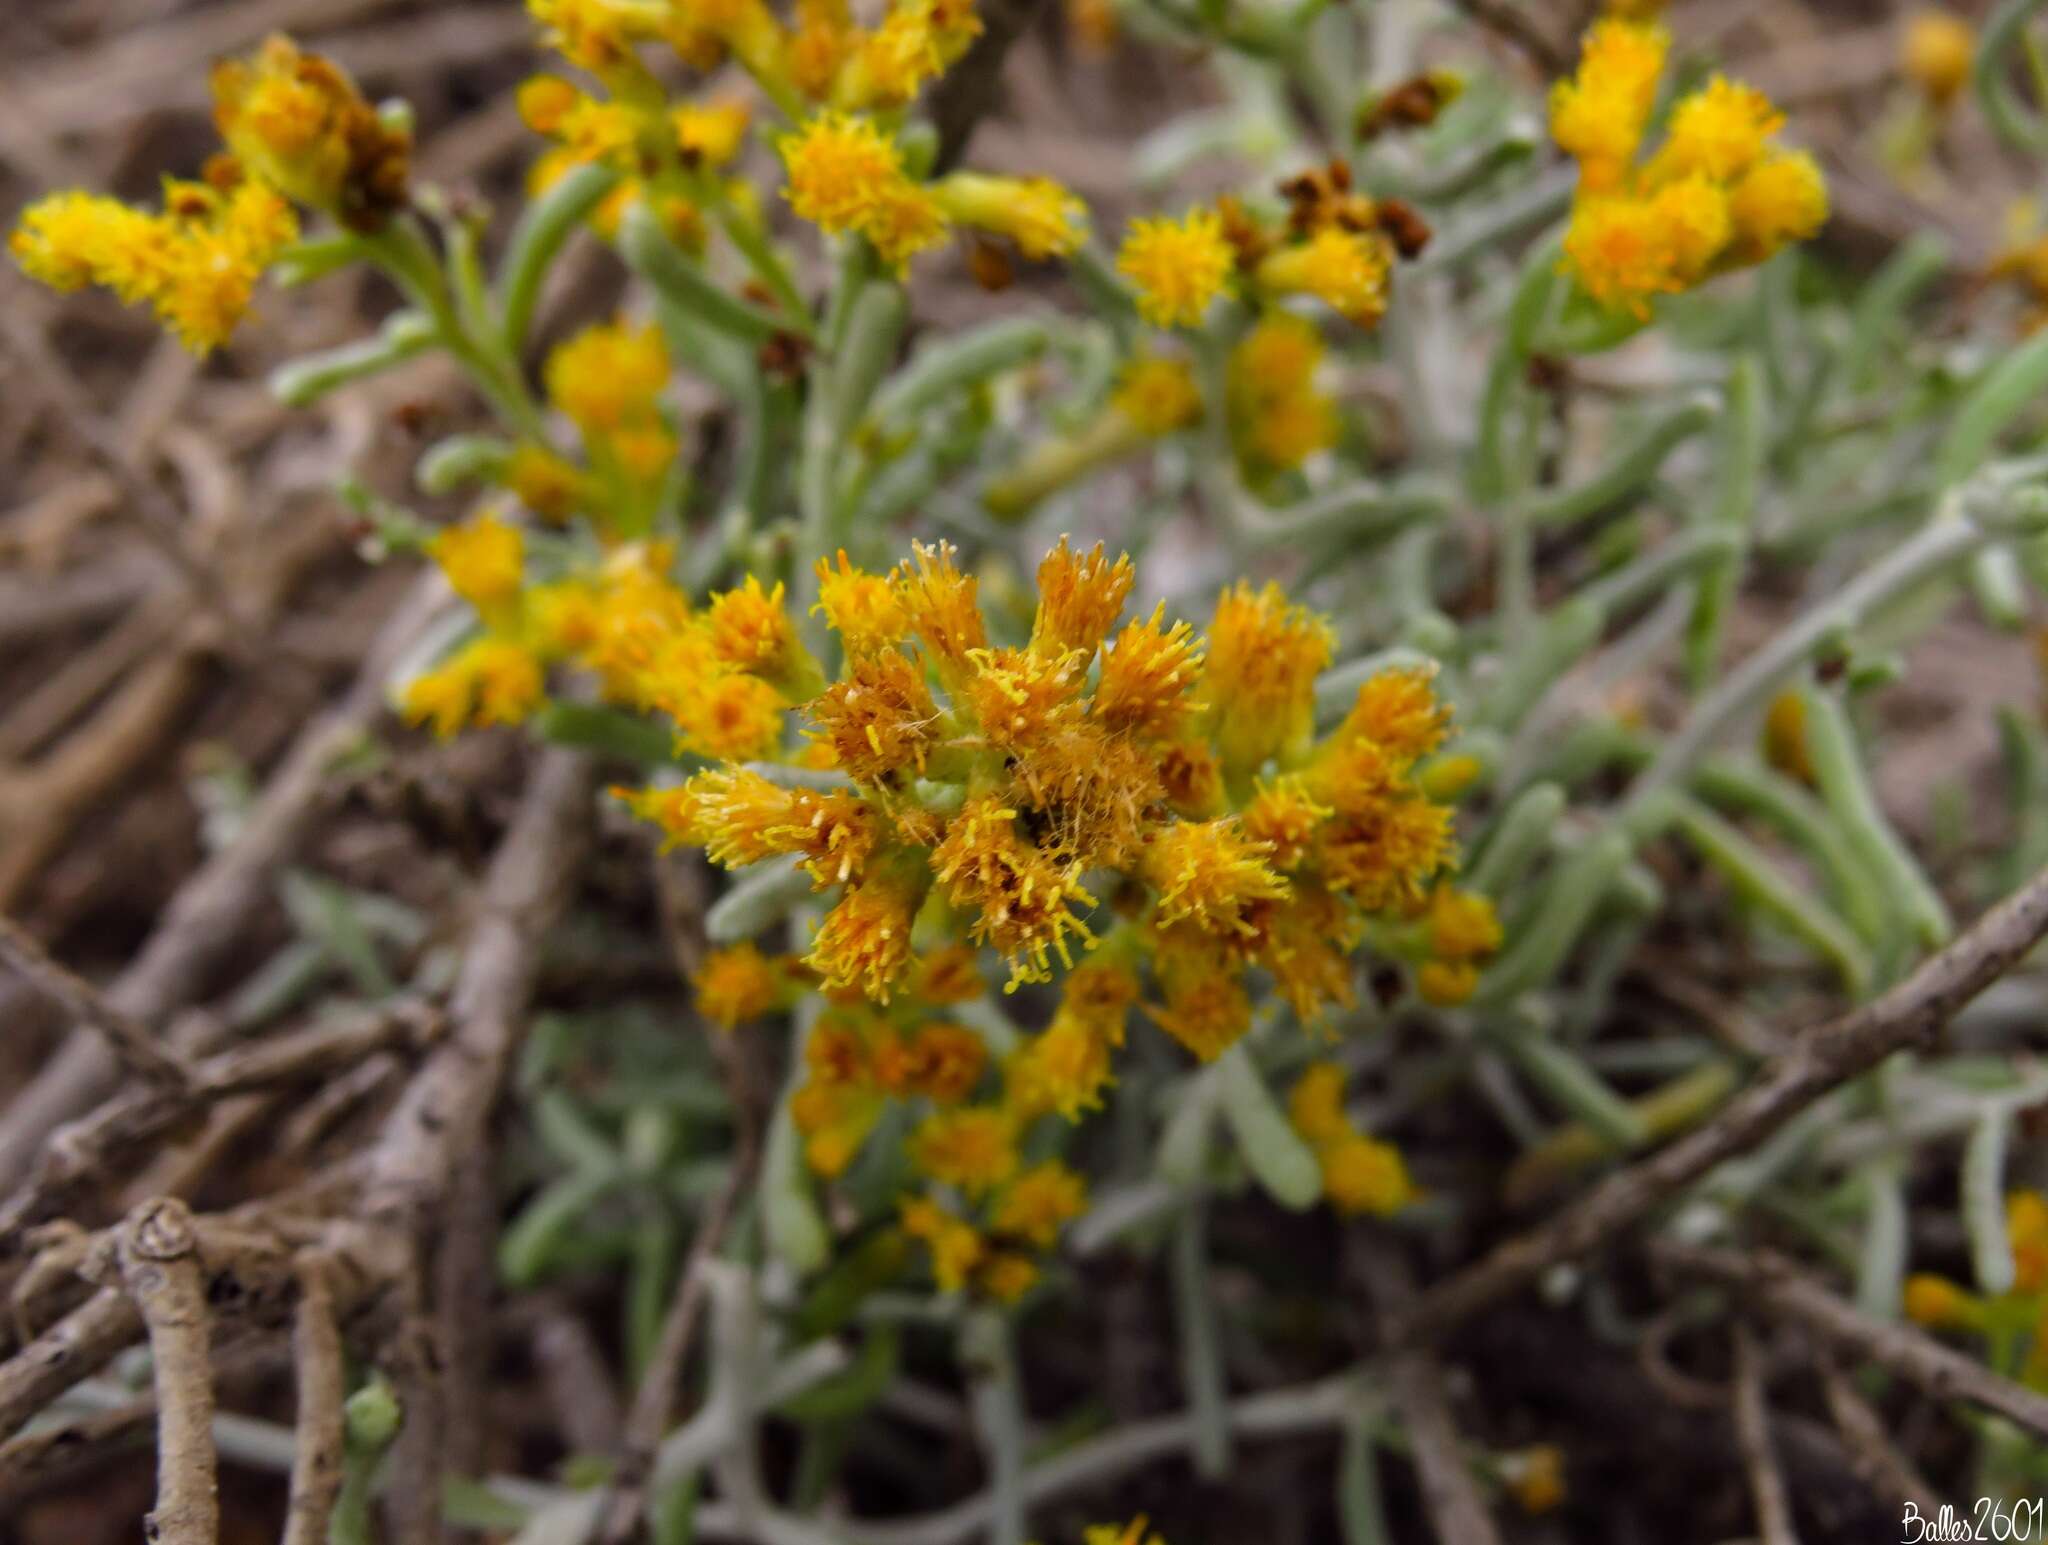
2014, 1323
1717, 194
1335, 245
842, 86
1360, 1173
296, 130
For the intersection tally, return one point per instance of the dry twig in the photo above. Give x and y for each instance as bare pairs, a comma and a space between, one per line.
1753, 1436
317, 1455
1910, 1014
1774, 1286
156, 1253
139, 1051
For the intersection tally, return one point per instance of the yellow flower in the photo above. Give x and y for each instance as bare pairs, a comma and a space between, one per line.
1535, 1477
1080, 598
1259, 684
1179, 266
1446, 983
596, 35
710, 133
730, 716
1147, 675
973, 1147
1361, 1174
1622, 251
544, 101
2026, 1227
1039, 1203
1935, 54
735, 985
1007, 1276
1346, 270
739, 817
864, 941
902, 221
1209, 873
750, 630
1316, 1105
1158, 395
488, 681
1206, 1010
839, 167
1782, 199
835, 1120
544, 482
297, 121
1277, 417
1936, 1302
862, 608
942, 1062
1284, 816
608, 374
1462, 925
1040, 216
940, 602
1717, 132
484, 560
196, 264
1383, 852
917, 41
1132, 1533
1020, 896
1598, 116
878, 718
956, 1249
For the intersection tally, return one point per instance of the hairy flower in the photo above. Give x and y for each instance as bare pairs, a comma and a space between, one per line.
1039, 1202
298, 123
1209, 873
1080, 597
1259, 682
489, 681
956, 1249
484, 561
735, 985
1020, 897
878, 718
1157, 395
1346, 270
862, 608
973, 1147
608, 374
1179, 266
940, 602
864, 941
1039, 215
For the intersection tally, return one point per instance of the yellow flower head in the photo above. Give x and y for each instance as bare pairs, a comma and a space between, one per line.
878, 718
727, 715
864, 941
1937, 1303
1462, 925
940, 602
1935, 54
1399, 712
544, 482
1024, 701
1209, 873
1039, 1203
608, 374
1361, 1174
839, 166
1346, 270
1717, 132
1598, 116
1007, 1276
710, 134
917, 41
1132, 1533
1064, 1068
973, 1147
1158, 394
956, 1249
1147, 675
1446, 983
862, 608
1535, 1477
1284, 817
1623, 252
1040, 216
1178, 266
1080, 597
297, 121
196, 264
1383, 853
836, 1121
1206, 1009
484, 559
595, 35
2026, 1227
1020, 895
942, 1062
1259, 684
750, 630
737, 984
544, 101
903, 220
1780, 200
488, 681
1316, 1105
